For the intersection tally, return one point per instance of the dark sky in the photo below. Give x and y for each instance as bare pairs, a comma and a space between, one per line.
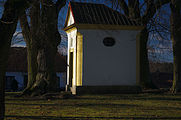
163, 54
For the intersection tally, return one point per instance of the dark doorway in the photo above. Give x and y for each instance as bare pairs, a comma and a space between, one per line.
71, 69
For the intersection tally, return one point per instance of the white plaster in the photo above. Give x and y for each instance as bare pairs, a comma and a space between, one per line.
72, 45
109, 65
104, 65
71, 19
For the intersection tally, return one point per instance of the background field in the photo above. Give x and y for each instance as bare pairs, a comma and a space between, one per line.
95, 107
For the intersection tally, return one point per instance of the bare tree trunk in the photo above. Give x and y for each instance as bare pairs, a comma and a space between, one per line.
32, 66
44, 32
30, 35
175, 21
6, 33
31, 56
134, 13
46, 79
8, 24
145, 80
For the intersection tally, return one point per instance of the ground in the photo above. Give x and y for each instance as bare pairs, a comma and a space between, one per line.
95, 107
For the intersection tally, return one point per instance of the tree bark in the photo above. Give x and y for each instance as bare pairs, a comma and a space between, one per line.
134, 14
145, 79
31, 55
8, 23
6, 33
46, 79
30, 35
175, 21
47, 38
134, 10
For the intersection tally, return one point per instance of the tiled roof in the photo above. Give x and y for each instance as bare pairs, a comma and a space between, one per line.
17, 61
89, 13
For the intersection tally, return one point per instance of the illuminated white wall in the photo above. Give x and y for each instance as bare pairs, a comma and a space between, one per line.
104, 65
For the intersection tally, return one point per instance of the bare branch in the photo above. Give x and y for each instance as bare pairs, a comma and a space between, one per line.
34, 16
25, 26
124, 6
152, 7
134, 10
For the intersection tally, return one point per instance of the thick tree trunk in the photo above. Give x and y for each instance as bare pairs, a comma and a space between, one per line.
133, 9
46, 79
6, 34
43, 32
47, 38
134, 13
145, 80
175, 22
32, 66
31, 38
8, 24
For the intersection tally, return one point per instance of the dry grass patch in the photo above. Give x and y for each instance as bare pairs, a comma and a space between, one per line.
92, 107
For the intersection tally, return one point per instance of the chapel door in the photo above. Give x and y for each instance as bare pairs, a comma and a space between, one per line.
71, 69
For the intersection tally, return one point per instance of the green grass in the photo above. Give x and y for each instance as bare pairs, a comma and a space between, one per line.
95, 107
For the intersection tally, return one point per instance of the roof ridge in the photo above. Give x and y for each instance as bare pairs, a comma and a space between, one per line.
86, 3
98, 4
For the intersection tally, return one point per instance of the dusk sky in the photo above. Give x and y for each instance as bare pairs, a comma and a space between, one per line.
164, 53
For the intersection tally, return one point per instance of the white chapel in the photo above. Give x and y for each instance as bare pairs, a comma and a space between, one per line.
103, 50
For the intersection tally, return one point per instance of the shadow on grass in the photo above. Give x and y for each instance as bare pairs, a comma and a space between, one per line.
149, 96
77, 105
134, 97
86, 118
113, 98
23, 99
98, 105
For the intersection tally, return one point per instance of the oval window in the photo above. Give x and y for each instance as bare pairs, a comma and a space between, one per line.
109, 41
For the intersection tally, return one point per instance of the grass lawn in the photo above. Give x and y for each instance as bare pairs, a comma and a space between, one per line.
95, 107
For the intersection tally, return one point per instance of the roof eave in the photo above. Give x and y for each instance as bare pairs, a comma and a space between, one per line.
69, 27
103, 27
